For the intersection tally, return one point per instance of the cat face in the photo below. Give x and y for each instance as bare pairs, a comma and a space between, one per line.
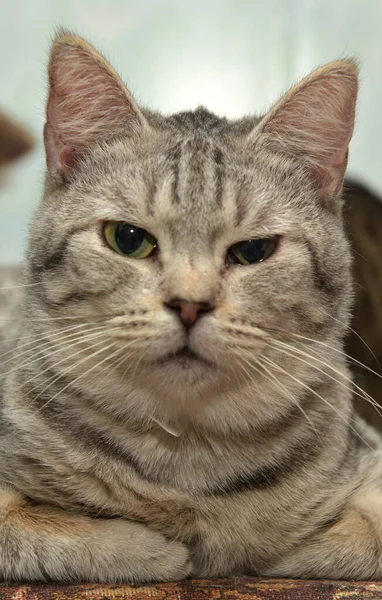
192, 247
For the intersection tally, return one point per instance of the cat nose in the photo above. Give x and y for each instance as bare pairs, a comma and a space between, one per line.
188, 311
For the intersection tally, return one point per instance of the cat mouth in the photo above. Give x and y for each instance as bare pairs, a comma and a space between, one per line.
184, 357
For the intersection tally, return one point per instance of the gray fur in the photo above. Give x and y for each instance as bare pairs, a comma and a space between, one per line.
268, 472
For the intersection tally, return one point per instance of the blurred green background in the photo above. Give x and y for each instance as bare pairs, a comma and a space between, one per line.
233, 56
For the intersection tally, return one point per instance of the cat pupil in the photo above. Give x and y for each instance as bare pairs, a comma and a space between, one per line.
254, 250
129, 238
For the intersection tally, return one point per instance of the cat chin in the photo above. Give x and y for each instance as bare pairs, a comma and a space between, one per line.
179, 369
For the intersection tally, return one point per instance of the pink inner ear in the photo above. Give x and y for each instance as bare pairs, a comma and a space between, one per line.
87, 103
68, 157
316, 123
59, 158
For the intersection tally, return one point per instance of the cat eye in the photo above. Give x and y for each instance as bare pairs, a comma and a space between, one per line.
252, 251
129, 240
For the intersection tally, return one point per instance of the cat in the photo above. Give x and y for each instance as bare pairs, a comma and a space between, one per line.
179, 402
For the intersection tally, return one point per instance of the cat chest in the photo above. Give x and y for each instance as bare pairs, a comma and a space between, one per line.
216, 527
108, 491
104, 484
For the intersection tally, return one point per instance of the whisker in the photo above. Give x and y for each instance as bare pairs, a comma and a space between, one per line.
361, 393
275, 365
38, 336
283, 388
252, 366
24, 285
54, 378
85, 373
42, 320
139, 361
76, 318
42, 353
356, 334
80, 376
348, 356
274, 331
117, 363
36, 341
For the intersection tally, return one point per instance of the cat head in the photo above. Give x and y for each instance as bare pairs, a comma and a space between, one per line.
191, 254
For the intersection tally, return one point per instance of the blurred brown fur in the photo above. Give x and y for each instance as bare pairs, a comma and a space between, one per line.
15, 141
363, 221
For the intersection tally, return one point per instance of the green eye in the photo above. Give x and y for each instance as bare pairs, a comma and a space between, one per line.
129, 240
252, 251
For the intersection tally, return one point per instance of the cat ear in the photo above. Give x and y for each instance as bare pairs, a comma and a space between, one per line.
87, 104
314, 123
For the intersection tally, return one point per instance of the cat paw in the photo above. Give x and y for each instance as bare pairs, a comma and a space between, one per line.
168, 560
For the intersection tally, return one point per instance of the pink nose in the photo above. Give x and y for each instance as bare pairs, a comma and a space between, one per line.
189, 312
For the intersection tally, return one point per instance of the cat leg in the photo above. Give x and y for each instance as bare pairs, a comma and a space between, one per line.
347, 547
42, 543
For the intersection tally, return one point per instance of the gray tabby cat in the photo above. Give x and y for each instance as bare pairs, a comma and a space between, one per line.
179, 402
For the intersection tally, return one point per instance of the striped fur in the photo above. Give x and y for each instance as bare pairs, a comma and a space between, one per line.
123, 460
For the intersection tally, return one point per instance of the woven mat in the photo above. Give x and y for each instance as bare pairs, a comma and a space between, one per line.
224, 589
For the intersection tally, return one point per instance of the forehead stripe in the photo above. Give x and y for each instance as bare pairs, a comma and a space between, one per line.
219, 175
175, 160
